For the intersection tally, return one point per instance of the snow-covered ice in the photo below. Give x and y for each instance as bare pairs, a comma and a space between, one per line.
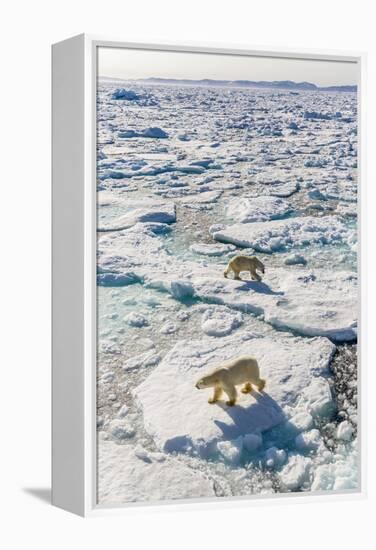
345, 431
211, 249
217, 321
143, 211
275, 458
277, 235
295, 472
126, 475
257, 209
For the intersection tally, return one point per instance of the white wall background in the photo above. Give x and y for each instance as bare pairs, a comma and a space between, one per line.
27, 30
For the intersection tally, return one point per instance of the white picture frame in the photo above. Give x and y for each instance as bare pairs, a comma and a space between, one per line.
74, 270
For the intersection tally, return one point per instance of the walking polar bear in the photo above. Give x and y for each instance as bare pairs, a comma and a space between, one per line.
245, 263
243, 370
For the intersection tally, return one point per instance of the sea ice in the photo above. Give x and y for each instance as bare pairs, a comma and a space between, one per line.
147, 359
200, 200
301, 421
317, 398
296, 472
154, 132
121, 429
308, 441
218, 148
339, 473
116, 279
257, 209
122, 93
295, 259
275, 458
323, 478
345, 431
252, 442
123, 411
125, 477
211, 249
284, 190
311, 302
218, 321
143, 211
231, 450
168, 328
318, 302
277, 235
136, 319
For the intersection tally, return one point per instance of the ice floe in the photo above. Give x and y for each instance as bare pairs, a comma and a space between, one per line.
295, 259
178, 416
141, 211
122, 93
295, 472
284, 190
275, 458
277, 235
257, 209
312, 303
219, 321
215, 249
154, 133
345, 431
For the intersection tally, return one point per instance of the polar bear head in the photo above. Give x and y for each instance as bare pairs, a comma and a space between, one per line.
258, 264
206, 382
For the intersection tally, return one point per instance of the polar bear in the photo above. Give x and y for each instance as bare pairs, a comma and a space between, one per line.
245, 263
242, 370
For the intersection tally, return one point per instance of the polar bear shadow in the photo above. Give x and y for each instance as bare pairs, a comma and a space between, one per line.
259, 287
244, 419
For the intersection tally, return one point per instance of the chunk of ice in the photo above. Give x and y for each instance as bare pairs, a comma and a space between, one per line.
275, 458
345, 431
231, 450
261, 208
296, 472
252, 442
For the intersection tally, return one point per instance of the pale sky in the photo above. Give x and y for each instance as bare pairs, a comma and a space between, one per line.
133, 64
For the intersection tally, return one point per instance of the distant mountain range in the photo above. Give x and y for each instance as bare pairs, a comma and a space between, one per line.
274, 84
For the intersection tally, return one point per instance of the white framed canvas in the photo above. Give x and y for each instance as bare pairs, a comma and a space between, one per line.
206, 275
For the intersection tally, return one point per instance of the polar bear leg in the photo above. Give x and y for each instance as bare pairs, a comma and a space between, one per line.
247, 388
255, 276
260, 384
232, 395
236, 275
217, 394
